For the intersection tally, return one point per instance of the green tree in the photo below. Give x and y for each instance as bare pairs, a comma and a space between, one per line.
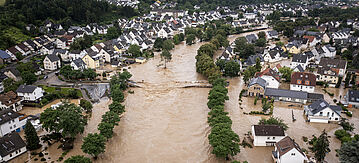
66, 119
342, 135
347, 126
32, 140
116, 93
221, 63
286, 73
158, 43
320, 146
224, 141
261, 42
111, 118
190, 39
106, 129
274, 121
232, 69
349, 152
176, 39
94, 144
78, 159
28, 77
207, 49
117, 107
135, 50
112, 33
167, 45
258, 65
86, 105
167, 56
262, 35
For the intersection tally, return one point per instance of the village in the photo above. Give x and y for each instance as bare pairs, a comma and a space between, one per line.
286, 87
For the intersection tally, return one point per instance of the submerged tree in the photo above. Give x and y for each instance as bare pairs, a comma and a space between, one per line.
167, 56
320, 146
32, 140
78, 159
94, 144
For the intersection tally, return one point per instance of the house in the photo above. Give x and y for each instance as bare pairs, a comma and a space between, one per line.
267, 135
12, 73
288, 151
270, 76
11, 146
10, 122
299, 59
256, 87
78, 64
272, 34
63, 54
352, 98
303, 81
329, 70
91, 62
52, 62
274, 55
4, 57
286, 95
140, 60
320, 111
329, 51
251, 38
293, 49
11, 101
30, 92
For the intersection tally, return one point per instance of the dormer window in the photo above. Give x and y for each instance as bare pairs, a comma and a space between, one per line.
299, 81
307, 82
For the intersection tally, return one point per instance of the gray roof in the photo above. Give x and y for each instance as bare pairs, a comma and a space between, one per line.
273, 33
301, 58
353, 96
300, 68
79, 62
321, 104
53, 57
11, 143
285, 93
7, 115
26, 88
258, 81
251, 38
4, 55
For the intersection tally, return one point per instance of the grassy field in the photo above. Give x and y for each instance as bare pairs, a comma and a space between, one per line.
64, 91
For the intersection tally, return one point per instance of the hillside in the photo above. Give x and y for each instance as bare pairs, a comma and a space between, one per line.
16, 14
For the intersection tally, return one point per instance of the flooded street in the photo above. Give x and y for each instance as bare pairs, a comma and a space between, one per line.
164, 122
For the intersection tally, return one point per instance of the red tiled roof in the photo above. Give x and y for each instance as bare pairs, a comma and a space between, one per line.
303, 78
268, 72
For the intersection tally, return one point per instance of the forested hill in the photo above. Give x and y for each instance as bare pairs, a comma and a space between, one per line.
16, 14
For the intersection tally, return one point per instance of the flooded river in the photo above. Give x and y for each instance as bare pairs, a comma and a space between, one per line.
166, 123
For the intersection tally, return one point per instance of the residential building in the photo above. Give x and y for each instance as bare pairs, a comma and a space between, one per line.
288, 151
11, 146
10, 122
13, 73
11, 101
267, 135
256, 87
352, 98
4, 57
320, 111
270, 76
52, 62
303, 81
78, 64
30, 92
329, 70
299, 59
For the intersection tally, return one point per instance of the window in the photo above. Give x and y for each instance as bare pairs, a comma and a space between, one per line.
268, 138
13, 120
336, 119
321, 113
293, 154
299, 81
273, 137
333, 114
10, 155
307, 82
10, 127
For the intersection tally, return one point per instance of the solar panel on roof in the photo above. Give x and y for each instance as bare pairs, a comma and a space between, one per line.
322, 104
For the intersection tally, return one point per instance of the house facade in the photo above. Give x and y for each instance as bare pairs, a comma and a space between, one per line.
11, 146
352, 98
320, 111
288, 151
267, 135
303, 81
52, 62
11, 101
257, 87
10, 121
270, 76
30, 92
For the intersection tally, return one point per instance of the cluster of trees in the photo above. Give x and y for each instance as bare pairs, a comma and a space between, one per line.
251, 71
344, 135
223, 139
229, 68
286, 73
66, 121
95, 143
287, 27
334, 13
16, 14
69, 73
244, 48
274, 121
320, 146
28, 76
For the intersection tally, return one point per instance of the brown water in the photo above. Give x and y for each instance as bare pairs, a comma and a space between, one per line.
166, 123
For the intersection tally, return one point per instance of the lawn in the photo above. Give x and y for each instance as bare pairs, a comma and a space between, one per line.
64, 91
